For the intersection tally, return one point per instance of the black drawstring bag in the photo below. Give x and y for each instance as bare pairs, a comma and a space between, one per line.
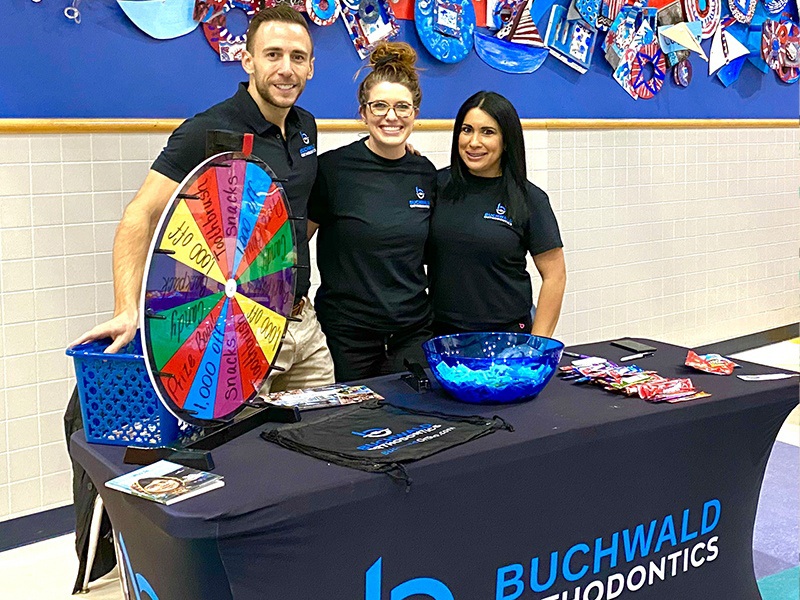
380, 437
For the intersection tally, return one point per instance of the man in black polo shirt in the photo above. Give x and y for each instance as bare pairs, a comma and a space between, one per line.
279, 60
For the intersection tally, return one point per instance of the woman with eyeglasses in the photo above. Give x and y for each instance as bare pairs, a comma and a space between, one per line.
488, 219
371, 202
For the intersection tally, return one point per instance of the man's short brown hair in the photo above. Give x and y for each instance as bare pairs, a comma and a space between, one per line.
282, 13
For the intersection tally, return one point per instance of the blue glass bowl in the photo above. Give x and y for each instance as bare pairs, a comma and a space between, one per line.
491, 368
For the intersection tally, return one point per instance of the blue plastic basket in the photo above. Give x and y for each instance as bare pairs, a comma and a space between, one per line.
118, 402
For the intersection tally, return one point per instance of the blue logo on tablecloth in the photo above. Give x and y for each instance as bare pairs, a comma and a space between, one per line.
591, 558
421, 586
373, 433
137, 580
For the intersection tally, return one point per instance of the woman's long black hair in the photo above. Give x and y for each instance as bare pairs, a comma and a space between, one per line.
512, 161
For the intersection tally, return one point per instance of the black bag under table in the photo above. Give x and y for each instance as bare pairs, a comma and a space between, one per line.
592, 495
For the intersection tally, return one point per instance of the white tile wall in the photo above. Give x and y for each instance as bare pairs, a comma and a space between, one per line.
685, 236
61, 197
689, 236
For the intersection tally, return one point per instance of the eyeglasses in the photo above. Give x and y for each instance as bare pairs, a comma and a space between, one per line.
379, 108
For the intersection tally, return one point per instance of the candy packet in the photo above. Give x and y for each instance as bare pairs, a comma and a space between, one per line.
710, 363
658, 390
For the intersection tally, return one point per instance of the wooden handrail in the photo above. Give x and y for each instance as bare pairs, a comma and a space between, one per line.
43, 126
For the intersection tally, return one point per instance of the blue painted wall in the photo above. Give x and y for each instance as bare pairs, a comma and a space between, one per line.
106, 68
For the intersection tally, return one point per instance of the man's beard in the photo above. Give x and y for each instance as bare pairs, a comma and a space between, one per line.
263, 90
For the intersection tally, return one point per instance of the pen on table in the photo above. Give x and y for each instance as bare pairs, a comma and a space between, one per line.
636, 356
574, 354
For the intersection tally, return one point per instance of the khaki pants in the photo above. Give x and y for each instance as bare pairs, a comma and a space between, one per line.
304, 354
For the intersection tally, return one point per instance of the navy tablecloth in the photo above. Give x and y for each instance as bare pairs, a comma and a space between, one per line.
593, 495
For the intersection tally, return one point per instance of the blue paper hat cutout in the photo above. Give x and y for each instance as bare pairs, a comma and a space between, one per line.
161, 19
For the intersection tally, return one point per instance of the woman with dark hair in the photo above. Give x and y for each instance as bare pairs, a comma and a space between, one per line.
488, 217
371, 202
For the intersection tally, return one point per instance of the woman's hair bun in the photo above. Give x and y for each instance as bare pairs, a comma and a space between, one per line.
398, 54
392, 62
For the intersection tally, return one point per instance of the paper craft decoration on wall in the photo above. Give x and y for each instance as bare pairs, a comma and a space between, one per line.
725, 48
753, 40
730, 72
570, 40
791, 54
520, 28
403, 9
682, 73
671, 14
780, 48
771, 44
643, 85
219, 285
642, 54
229, 45
161, 19
322, 12
708, 12
205, 10
686, 35
500, 12
609, 9
367, 23
622, 31
517, 48
775, 6
589, 10
479, 6
742, 10
449, 28
446, 28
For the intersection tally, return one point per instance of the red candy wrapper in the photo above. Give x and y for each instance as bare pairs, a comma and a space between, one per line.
667, 387
710, 363
632, 380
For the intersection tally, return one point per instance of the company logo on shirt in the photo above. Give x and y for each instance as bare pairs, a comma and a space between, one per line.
499, 215
309, 148
420, 201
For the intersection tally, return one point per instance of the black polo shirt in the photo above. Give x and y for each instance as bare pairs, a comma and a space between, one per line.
373, 215
477, 253
293, 159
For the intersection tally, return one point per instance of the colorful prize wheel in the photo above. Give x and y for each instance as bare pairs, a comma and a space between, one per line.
218, 287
